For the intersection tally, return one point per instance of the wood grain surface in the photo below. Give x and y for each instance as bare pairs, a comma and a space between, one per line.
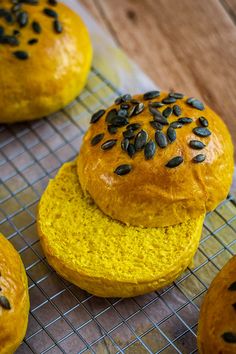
186, 45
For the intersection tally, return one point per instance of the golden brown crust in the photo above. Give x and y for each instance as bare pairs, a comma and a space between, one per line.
151, 194
55, 71
218, 315
13, 284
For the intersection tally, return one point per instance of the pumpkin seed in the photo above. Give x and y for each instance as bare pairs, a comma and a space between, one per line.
50, 13
36, 27
23, 18
119, 121
156, 104
57, 26
97, 115
171, 134
232, 286
15, 32
156, 125
20, 54
122, 112
97, 138
138, 108
125, 98
149, 150
134, 126
125, 144
203, 121
140, 140
154, 111
128, 134
111, 129
185, 120
190, 100
199, 158
196, 144
8, 17
32, 41
167, 112
161, 139
131, 150
123, 169
151, 94
160, 119
118, 100
195, 103
176, 95
112, 113
131, 111
168, 100
16, 8
11, 40
176, 124
203, 132
4, 302
229, 337
176, 161
177, 110
108, 144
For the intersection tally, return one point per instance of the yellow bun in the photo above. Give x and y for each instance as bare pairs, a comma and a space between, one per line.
152, 194
13, 287
57, 67
104, 256
217, 322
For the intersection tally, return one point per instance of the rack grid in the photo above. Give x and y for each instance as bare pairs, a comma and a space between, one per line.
64, 318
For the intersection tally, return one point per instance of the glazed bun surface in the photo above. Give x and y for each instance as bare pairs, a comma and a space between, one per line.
44, 61
14, 298
169, 180
217, 322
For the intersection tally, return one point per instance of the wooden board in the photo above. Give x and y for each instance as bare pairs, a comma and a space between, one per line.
186, 45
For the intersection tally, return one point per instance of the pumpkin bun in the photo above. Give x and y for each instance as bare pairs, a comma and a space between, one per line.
156, 159
45, 57
14, 298
217, 321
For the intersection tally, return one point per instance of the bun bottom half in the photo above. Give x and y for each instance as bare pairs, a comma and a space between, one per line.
103, 256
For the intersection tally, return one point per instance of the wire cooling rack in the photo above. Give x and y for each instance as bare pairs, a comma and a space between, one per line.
64, 318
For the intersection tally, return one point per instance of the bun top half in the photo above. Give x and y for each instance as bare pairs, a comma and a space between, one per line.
176, 164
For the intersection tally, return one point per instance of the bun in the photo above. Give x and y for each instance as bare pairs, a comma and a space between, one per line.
103, 256
14, 298
41, 77
151, 193
217, 324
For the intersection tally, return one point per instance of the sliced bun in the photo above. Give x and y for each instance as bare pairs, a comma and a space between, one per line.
104, 256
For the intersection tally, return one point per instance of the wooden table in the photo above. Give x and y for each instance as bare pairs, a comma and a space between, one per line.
186, 45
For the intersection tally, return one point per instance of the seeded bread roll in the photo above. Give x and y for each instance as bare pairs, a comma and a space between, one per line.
103, 256
217, 322
156, 159
14, 298
45, 56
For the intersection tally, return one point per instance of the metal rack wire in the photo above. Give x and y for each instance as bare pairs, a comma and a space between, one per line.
66, 319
